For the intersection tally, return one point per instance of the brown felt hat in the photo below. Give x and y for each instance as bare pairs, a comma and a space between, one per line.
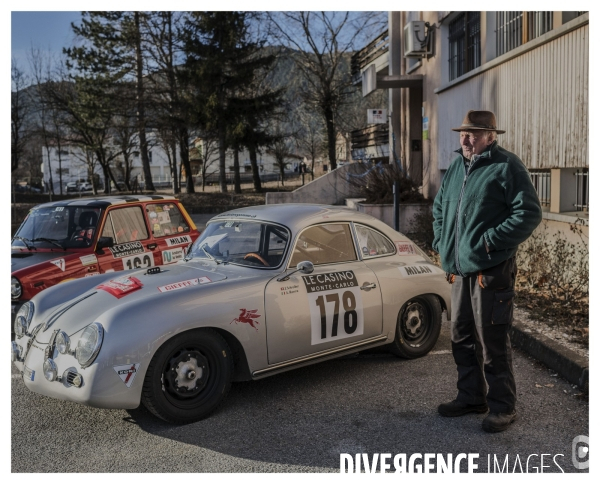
483, 120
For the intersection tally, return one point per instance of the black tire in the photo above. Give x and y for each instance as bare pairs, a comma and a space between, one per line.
418, 327
204, 361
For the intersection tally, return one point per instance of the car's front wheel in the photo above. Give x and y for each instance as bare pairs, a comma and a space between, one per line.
418, 327
188, 377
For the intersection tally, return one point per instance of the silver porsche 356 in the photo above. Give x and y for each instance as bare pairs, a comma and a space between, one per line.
263, 290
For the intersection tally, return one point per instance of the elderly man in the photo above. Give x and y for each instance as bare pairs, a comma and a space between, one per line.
485, 208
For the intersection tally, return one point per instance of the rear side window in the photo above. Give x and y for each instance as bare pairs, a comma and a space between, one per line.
166, 219
324, 244
372, 243
125, 225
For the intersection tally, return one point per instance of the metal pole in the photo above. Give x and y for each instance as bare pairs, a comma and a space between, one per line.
397, 206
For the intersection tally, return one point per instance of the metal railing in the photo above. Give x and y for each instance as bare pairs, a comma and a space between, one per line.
538, 23
509, 31
464, 44
541, 182
582, 190
368, 54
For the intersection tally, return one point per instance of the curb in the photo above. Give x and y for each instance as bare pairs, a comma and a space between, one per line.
568, 364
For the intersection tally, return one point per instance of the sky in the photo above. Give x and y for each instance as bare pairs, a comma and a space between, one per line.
47, 31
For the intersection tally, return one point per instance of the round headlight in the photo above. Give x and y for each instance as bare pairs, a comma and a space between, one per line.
63, 343
26, 310
20, 326
89, 344
50, 370
15, 288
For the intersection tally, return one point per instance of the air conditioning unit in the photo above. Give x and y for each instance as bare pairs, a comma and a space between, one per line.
416, 39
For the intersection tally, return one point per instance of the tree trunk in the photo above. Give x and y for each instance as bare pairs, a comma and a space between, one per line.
281, 172
141, 112
330, 137
254, 165
185, 159
174, 177
236, 172
222, 168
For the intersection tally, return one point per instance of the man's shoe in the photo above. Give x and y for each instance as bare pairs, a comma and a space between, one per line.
497, 422
456, 408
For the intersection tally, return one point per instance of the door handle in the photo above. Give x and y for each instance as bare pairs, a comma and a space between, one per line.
368, 286
152, 246
91, 268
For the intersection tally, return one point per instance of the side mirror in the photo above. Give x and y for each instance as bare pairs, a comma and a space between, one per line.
104, 242
306, 267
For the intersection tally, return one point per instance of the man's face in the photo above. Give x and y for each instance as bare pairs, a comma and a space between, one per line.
474, 142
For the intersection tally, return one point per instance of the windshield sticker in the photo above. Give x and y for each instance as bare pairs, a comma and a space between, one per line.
124, 250
329, 281
405, 248
415, 270
212, 240
59, 209
174, 255
183, 284
183, 239
247, 317
163, 217
127, 373
122, 286
60, 263
88, 260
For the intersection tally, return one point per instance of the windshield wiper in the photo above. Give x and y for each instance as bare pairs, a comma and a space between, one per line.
50, 241
25, 241
207, 254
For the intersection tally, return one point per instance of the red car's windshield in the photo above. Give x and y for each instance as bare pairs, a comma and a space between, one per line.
58, 227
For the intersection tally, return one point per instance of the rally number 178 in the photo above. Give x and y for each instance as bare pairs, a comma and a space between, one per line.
350, 315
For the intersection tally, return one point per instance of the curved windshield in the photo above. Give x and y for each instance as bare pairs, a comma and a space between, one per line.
63, 227
247, 243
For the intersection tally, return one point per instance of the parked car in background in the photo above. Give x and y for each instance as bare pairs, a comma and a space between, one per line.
24, 188
263, 290
85, 187
71, 239
71, 187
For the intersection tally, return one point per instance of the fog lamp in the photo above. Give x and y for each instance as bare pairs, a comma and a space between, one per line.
50, 370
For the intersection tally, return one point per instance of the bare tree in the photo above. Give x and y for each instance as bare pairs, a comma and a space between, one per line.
323, 42
309, 137
282, 148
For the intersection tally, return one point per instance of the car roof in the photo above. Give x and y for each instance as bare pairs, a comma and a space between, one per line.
102, 202
299, 215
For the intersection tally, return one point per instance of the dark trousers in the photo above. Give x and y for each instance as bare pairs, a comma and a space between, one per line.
482, 311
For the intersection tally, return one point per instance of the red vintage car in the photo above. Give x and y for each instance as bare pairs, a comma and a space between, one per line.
60, 241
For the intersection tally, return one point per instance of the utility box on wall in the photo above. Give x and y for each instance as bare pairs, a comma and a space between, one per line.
415, 39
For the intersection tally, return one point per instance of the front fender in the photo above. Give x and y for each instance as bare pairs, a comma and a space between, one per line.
136, 330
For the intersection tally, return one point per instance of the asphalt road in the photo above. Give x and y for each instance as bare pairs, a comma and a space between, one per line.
302, 420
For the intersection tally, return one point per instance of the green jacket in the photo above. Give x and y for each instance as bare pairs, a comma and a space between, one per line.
491, 202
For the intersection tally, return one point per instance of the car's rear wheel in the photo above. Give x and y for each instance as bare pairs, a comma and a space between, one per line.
418, 327
188, 377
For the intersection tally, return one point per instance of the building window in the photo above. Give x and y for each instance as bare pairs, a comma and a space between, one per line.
509, 31
465, 44
538, 23
541, 182
582, 190
150, 156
